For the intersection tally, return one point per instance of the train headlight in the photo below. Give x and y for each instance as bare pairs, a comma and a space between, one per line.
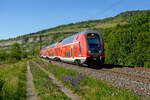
89, 51
100, 51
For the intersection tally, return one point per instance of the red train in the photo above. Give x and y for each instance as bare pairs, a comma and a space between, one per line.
85, 47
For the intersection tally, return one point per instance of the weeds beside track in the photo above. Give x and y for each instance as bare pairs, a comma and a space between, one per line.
85, 86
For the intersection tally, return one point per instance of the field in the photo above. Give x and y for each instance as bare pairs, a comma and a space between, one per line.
13, 80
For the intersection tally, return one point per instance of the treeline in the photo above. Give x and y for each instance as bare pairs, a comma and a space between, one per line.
129, 44
16, 53
126, 44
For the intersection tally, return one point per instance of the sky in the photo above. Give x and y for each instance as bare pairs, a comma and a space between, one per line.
19, 17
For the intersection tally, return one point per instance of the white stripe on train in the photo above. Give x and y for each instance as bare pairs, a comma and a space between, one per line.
72, 59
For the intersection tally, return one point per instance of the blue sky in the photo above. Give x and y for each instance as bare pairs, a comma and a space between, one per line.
18, 17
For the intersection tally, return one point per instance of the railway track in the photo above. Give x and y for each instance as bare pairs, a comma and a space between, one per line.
141, 71
134, 77
128, 73
136, 80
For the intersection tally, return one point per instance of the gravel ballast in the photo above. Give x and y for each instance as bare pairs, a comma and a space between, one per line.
138, 88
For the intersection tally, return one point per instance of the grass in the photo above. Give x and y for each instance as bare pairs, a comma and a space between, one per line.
13, 81
45, 88
4, 62
88, 88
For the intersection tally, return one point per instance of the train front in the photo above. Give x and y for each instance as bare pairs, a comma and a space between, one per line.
95, 47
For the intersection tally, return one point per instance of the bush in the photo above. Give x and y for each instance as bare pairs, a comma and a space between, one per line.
15, 51
129, 44
3, 55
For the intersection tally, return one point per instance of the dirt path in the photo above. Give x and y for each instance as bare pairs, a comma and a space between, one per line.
31, 92
66, 91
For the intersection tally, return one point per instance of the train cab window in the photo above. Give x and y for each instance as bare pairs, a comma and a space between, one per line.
93, 40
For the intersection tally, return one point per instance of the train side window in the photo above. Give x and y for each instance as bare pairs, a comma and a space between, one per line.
65, 54
55, 50
80, 47
61, 51
71, 52
68, 53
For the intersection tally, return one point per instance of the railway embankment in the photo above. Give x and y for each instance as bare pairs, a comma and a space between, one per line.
92, 81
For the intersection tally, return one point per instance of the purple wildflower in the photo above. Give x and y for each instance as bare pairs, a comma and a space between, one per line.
65, 78
77, 80
31, 63
44, 65
72, 83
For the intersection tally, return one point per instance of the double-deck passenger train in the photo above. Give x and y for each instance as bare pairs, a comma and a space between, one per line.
85, 47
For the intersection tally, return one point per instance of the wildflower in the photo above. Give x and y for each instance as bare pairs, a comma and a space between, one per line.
30, 63
77, 80
72, 83
37, 62
44, 65
65, 78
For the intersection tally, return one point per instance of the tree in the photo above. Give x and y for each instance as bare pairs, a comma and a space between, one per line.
24, 53
3, 55
129, 44
15, 51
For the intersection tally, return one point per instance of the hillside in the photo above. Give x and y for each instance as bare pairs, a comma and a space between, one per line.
126, 38
59, 32
129, 44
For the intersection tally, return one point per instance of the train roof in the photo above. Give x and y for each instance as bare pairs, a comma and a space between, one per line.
84, 32
70, 38
52, 45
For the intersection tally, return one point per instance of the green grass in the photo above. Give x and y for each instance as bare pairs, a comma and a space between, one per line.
45, 88
2, 62
13, 81
89, 88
